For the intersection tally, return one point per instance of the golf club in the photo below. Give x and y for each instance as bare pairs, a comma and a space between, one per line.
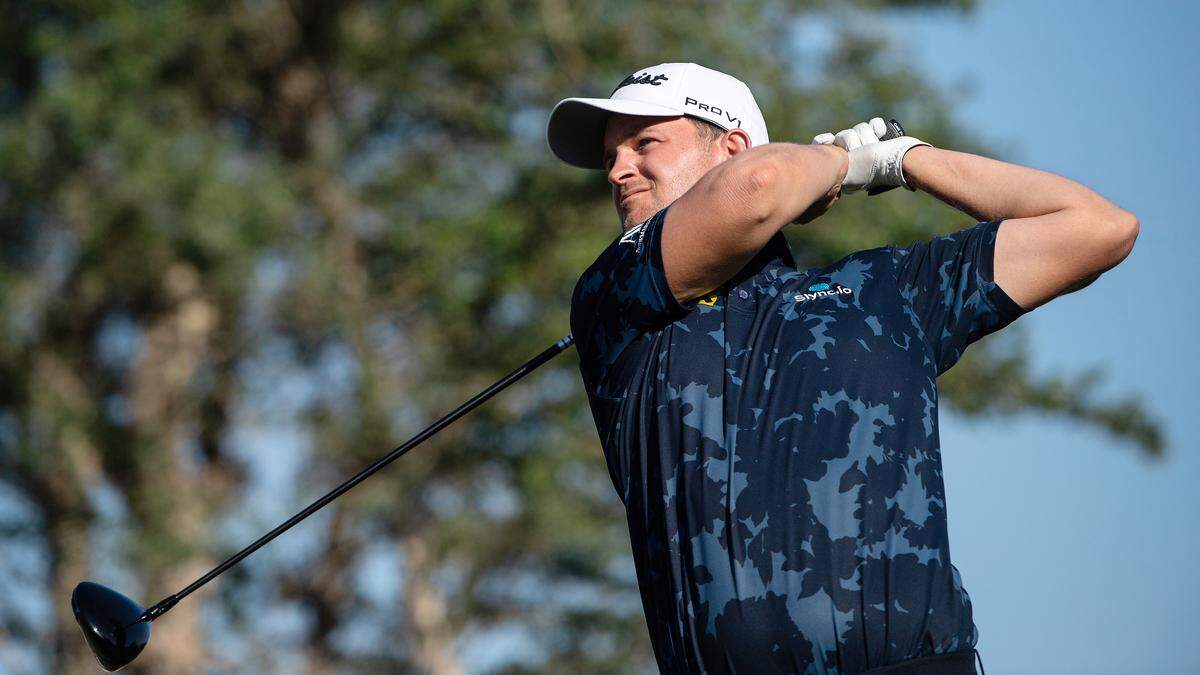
117, 628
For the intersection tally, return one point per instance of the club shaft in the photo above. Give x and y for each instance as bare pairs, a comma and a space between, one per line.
167, 603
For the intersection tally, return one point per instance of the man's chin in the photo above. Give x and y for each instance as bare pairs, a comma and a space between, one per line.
636, 216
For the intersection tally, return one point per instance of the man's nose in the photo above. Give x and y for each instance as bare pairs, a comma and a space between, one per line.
622, 169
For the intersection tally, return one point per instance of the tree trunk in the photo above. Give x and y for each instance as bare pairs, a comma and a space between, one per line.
177, 487
70, 550
430, 631
59, 407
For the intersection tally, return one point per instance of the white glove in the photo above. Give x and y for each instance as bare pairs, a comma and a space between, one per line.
873, 163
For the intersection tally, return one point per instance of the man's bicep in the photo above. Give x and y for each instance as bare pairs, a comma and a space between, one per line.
715, 228
733, 211
1043, 257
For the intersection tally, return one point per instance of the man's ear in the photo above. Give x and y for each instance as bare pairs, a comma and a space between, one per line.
735, 141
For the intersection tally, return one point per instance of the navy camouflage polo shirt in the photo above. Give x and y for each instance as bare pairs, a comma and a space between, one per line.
776, 448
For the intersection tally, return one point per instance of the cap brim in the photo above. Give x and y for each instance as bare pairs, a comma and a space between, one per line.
576, 127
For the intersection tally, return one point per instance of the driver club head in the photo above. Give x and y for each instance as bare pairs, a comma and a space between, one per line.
109, 623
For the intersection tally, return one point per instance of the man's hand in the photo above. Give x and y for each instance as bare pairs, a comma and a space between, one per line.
873, 163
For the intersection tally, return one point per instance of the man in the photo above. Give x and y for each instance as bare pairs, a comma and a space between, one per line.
773, 431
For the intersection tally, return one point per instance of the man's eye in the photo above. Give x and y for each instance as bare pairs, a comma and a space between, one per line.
611, 160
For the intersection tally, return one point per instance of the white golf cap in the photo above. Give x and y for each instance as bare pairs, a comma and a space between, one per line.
576, 127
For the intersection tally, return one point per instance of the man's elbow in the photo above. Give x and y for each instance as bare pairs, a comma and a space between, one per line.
1132, 227
760, 188
1120, 231
779, 181
1125, 228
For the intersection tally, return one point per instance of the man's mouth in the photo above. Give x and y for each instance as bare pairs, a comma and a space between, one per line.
631, 194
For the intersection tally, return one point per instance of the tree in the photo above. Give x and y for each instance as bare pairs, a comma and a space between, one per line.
312, 227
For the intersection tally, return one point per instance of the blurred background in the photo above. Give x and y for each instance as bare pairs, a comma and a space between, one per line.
247, 248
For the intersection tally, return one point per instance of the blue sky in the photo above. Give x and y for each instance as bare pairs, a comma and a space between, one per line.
1079, 555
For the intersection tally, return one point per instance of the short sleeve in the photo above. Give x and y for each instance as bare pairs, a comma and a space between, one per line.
951, 292
623, 294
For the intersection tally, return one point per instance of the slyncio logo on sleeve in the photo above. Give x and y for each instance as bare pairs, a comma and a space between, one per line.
822, 290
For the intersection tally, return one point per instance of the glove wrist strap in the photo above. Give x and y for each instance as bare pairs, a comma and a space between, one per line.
893, 169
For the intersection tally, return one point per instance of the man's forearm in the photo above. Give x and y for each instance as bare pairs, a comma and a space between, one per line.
987, 189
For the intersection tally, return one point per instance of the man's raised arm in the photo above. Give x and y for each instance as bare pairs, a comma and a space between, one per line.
1057, 237
717, 226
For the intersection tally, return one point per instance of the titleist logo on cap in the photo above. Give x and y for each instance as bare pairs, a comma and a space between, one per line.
644, 78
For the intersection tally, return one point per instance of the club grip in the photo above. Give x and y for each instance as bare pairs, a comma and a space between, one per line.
894, 130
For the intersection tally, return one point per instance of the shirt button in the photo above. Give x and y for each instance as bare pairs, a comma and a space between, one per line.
743, 294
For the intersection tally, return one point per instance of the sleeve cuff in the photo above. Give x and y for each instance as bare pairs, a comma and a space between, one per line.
1005, 305
672, 307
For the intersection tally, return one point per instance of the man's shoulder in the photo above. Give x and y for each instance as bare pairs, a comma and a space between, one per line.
616, 259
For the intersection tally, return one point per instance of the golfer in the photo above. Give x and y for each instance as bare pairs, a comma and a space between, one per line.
773, 431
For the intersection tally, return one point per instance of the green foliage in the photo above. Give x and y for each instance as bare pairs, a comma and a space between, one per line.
263, 189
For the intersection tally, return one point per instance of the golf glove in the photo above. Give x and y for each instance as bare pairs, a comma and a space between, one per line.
873, 163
